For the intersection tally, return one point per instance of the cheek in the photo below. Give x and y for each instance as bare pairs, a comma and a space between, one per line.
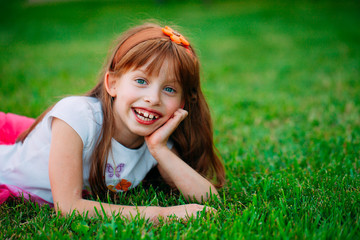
124, 101
128, 95
174, 105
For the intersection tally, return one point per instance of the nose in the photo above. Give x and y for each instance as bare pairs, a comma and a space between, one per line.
152, 96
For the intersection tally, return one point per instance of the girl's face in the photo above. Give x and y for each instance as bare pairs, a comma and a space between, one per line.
142, 102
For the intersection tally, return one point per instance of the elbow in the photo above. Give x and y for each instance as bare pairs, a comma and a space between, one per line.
64, 208
61, 209
209, 195
212, 193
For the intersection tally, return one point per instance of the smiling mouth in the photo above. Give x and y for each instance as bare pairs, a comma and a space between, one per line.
146, 115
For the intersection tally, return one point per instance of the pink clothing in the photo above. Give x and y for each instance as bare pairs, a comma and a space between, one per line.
7, 191
26, 165
11, 125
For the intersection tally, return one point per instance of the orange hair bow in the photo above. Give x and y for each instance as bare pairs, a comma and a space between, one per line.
175, 36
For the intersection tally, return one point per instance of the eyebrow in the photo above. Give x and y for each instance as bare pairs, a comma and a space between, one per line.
172, 80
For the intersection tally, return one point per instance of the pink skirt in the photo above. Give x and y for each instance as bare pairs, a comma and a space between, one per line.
10, 191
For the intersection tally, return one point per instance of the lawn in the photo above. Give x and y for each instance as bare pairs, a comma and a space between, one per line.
282, 79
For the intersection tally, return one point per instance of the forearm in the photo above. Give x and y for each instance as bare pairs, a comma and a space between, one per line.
186, 179
93, 208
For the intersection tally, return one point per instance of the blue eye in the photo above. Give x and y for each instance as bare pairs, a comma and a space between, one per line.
140, 81
169, 89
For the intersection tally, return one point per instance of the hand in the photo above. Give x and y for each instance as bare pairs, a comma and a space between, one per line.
187, 211
160, 136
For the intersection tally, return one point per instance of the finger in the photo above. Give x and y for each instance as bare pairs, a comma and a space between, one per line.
179, 115
169, 127
210, 210
183, 113
173, 122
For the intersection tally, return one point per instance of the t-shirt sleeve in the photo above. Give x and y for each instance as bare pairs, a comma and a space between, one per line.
80, 114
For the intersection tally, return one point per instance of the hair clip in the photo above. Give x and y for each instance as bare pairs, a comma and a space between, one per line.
175, 36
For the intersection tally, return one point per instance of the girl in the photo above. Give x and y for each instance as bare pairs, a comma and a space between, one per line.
147, 110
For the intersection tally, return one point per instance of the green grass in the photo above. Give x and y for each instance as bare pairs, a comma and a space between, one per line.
282, 80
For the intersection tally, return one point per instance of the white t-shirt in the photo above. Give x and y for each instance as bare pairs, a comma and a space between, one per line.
26, 165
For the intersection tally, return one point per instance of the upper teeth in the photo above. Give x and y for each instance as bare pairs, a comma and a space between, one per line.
146, 114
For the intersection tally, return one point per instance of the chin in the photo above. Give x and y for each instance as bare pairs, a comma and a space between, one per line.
143, 132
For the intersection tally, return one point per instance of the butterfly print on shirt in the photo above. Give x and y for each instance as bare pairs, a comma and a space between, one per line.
110, 171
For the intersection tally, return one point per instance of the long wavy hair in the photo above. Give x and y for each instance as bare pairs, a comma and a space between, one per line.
193, 139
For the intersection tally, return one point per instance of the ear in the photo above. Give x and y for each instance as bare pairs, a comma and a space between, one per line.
110, 84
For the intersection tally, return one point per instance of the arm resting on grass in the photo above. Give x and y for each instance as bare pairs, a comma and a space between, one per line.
66, 173
179, 174
173, 169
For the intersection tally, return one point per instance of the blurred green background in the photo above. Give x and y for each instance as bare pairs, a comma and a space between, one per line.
281, 78
267, 65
